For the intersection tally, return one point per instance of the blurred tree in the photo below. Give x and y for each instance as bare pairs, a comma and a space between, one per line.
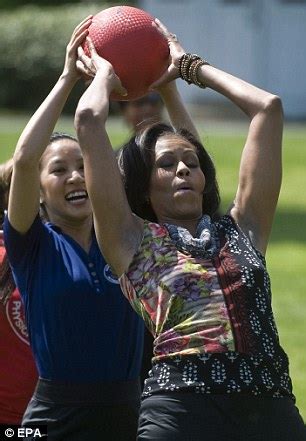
10, 4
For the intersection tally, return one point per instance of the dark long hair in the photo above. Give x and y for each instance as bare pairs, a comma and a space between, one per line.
136, 163
6, 170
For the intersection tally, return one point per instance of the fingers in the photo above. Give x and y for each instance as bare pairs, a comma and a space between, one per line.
91, 46
82, 28
84, 71
79, 34
84, 23
161, 28
176, 50
84, 58
88, 68
84, 64
171, 38
77, 40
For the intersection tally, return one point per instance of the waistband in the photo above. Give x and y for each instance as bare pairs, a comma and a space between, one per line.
106, 393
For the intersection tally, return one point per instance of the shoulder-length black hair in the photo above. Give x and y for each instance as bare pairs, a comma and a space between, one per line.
6, 170
136, 162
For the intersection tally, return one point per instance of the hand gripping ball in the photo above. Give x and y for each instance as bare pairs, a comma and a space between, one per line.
125, 36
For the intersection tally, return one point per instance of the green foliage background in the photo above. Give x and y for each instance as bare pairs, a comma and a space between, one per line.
33, 41
12, 4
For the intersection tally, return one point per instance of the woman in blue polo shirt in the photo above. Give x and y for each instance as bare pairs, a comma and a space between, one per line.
86, 339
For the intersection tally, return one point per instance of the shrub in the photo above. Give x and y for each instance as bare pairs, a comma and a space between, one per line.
34, 42
10, 4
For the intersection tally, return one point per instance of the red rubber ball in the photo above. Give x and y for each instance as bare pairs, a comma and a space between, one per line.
125, 36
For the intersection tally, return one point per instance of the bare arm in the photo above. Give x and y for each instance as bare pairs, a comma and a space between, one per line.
25, 186
177, 111
260, 167
118, 231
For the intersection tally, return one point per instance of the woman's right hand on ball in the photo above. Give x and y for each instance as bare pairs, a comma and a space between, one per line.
176, 51
94, 65
78, 36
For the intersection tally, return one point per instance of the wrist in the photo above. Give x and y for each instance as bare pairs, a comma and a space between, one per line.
106, 81
189, 65
68, 78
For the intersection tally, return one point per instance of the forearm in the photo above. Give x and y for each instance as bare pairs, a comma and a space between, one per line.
94, 103
114, 223
250, 99
178, 113
99, 159
260, 166
36, 135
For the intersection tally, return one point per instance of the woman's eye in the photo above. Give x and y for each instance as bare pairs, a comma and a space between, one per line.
58, 170
192, 161
165, 164
192, 164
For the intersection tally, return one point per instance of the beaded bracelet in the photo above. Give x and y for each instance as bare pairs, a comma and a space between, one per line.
188, 68
194, 72
184, 65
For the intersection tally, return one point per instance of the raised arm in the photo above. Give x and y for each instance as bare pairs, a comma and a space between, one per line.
177, 111
260, 167
179, 115
118, 231
25, 186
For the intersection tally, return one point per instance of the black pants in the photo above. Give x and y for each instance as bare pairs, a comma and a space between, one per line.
193, 417
85, 413
146, 356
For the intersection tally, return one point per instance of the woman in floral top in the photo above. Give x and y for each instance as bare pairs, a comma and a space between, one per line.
199, 280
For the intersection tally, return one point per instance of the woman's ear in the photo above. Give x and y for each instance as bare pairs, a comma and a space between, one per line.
41, 197
42, 208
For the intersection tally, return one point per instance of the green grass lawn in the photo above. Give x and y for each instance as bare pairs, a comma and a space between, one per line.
286, 257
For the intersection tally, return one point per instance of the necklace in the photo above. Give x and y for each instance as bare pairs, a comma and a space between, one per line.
202, 245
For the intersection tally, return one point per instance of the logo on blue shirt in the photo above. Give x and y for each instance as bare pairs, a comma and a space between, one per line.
109, 275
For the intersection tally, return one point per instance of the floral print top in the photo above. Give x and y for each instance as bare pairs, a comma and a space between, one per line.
207, 302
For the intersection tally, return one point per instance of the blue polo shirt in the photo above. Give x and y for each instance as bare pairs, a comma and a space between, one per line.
81, 327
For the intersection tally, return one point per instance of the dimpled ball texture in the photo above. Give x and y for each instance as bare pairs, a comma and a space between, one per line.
125, 36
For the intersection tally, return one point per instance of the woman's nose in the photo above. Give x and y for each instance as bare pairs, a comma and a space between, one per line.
76, 175
182, 169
